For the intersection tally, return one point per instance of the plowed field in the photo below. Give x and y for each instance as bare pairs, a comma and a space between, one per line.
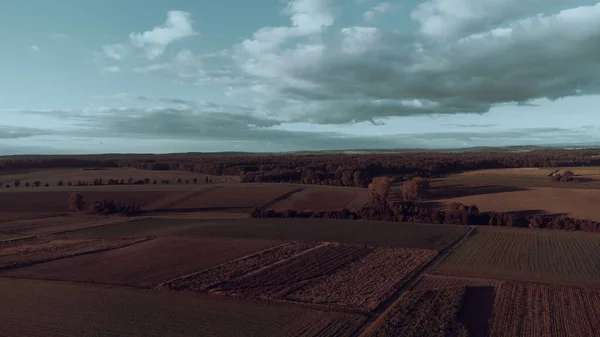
52, 309
324, 199
426, 313
530, 310
366, 283
34, 250
282, 279
439, 282
206, 279
145, 264
557, 257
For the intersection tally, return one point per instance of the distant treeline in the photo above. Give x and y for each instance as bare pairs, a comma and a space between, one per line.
355, 170
457, 214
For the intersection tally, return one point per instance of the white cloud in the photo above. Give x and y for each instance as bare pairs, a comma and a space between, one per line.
35, 48
112, 69
369, 73
371, 15
178, 26
115, 51
448, 18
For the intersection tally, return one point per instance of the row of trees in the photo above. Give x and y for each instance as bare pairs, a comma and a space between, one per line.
380, 208
563, 177
103, 207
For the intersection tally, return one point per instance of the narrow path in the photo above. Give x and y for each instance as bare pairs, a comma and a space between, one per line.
378, 316
280, 198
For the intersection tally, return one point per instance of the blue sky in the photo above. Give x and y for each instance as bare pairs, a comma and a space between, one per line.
283, 75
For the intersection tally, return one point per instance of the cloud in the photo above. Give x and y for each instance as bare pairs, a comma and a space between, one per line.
178, 26
371, 14
112, 69
35, 48
368, 73
115, 51
16, 132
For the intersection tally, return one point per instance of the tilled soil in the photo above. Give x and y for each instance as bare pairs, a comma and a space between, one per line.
530, 310
204, 280
439, 282
146, 264
279, 280
424, 314
53, 309
18, 253
364, 284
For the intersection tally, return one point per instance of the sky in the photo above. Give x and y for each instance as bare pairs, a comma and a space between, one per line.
288, 75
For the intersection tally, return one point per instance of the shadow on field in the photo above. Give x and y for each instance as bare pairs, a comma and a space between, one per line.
476, 310
458, 191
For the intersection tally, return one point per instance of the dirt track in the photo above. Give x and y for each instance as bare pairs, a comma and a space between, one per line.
324, 199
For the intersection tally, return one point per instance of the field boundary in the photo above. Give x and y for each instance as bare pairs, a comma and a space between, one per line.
280, 198
26, 264
125, 220
380, 313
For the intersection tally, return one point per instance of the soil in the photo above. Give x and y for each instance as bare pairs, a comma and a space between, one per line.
145, 264
317, 199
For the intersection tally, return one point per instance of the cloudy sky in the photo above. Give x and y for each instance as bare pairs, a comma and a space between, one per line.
283, 75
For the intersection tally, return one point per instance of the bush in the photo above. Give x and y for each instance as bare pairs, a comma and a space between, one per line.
17, 183
60, 183
76, 202
37, 183
108, 207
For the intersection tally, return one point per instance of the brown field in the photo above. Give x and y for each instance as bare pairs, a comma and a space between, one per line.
202, 281
439, 282
145, 264
531, 310
277, 281
58, 224
324, 199
57, 201
424, 313
53, 176
17, 253
366, 283
554, 257
377, 233
238, 198
67, 309
576, 203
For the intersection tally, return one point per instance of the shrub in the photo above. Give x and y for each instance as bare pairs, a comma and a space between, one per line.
17, 183
60, 183
76, 202
108, 207
37, 183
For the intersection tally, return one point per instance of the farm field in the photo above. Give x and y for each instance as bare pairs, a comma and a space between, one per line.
353, 277
423, 313
66, 309
554, 257
377, 233
529, 310
57, 224
576, 203
324, 199
17, 253
145, 264
57, 201
440, 282
239, 198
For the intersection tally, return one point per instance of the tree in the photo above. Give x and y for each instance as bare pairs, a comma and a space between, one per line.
415, 189
27, 184
146, 181
195, 180
130, 180
207, 179
60, 183
37, 183
17, 183
76, 202
380, 187
179, 180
